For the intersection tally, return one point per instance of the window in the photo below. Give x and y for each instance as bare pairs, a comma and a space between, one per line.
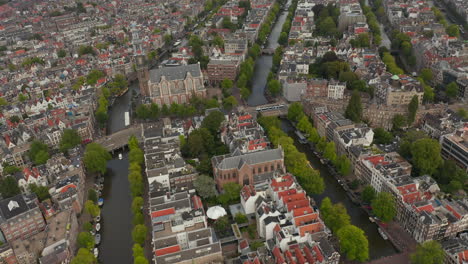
259, 170
272, 168
266, 168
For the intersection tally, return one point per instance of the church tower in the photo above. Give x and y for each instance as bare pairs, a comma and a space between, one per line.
142, 74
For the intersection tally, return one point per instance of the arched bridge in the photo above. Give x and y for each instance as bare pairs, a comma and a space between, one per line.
119, 139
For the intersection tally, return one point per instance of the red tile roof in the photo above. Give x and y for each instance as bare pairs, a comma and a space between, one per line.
168, 250
159, 213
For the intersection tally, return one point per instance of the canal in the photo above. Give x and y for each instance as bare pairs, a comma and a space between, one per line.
378, 247
116, 245
263, 63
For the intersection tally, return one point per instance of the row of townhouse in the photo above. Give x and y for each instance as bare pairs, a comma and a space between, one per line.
44, 231
419, 211
180, 232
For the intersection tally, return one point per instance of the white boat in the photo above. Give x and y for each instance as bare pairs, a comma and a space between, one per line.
382, 233
322, 161
97, 219
120, 156
97, 239
100, 201
98, 227
96, 252
371, 219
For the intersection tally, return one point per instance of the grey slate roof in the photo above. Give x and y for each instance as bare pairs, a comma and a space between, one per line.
230, 162
175, 73
23, 205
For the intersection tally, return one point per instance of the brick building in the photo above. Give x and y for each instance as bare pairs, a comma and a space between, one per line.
247, 169
20, 217
172, 84
220, 69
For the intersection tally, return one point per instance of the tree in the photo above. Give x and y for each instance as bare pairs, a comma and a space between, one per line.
462, 113
335, 216
139, 234
61, 53
426, 75
10, 170
39, 152
221, 224
70, 139
226, 85
382, 137
413, 109
398, 122
137, 204
353, 243
138, 219
453, 30
88, 226
213, 122
96, 157
9, 187
85, 240
42, 192
241, 218
92, 195
229, 102
426, 155
218, 42
283, 38
136, 155
428, 253
329, 152
231, 193
274, 87
167, 39
343, 165
140, 260
205, 186
84, 256
368, 194
3, 101
137, 250
451, 90
354, 108
295, 111
384, 206
407, 141
92, 208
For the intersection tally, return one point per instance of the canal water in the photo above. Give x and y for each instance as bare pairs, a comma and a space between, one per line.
378, 247
264, 62
116, 244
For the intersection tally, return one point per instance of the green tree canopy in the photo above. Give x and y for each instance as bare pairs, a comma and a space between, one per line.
140, 260
413, 109
70, 139
84, 256
274, 87
137, 250
368, 194
384, 206
426, 75
96, 157
382, 137
85, 240
354, 108
92, 208
42, 192
39, 152
398, 122
137, 204
241, 218
92, 195
453, 30
9, 187
428, 253
205, 186
213, 122
229, 102
426, 155
7, 170
353, 243
295, 111
335, 216
139, 234
231, 193
451, 90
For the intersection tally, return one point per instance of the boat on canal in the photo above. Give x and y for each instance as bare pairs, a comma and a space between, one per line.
97, 219
371, 219
101, 202
98, 227
97, 239
120, 156
96, 252
382, 233
302, 138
